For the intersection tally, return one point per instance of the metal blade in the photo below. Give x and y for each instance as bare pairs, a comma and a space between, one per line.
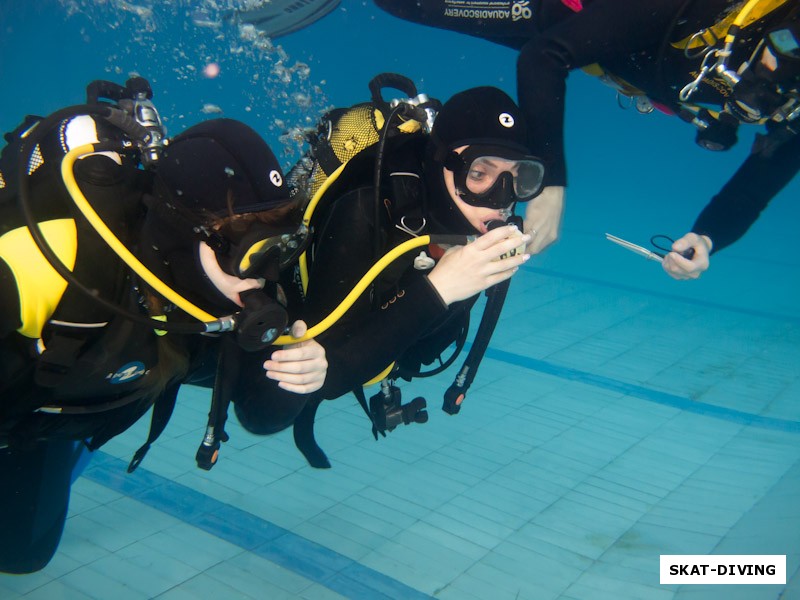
641, 251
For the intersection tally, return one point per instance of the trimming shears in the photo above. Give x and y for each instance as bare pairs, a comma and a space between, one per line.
649, 254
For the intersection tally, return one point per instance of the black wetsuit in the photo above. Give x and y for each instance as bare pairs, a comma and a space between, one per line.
632, 40
119, 369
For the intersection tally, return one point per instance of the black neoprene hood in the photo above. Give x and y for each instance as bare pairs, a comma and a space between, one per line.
221, 157
483, 115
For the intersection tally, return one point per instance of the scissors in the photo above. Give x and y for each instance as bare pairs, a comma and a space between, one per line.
648, 254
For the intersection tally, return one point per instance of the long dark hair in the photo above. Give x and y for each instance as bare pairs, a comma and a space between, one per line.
234, 224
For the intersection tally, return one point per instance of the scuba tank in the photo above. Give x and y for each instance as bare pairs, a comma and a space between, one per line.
345, 133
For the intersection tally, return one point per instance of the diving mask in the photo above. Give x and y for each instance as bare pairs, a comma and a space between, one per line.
784, 42
769, 91
495, 176
784, 45
261, 252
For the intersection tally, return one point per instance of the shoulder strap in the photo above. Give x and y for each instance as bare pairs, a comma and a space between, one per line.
208, 451
162, 412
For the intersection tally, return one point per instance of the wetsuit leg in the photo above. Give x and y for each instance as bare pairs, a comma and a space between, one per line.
82, 458
260, 405
304, 436
34, 497
603, 31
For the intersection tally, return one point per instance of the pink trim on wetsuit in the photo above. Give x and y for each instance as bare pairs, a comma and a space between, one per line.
573, 5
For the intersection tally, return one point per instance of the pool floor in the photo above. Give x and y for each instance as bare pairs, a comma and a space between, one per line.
609, 424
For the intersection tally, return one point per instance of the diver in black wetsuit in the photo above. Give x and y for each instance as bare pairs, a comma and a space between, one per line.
464, 178
209, 221
654, 50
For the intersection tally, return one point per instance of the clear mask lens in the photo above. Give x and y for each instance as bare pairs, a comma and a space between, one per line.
784, 42
484, 172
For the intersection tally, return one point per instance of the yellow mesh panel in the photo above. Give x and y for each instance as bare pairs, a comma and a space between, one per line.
354, 132
315, 181
36, 160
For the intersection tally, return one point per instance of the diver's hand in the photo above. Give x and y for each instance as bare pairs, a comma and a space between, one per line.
464, 271
299, 368
679, 267
543, 217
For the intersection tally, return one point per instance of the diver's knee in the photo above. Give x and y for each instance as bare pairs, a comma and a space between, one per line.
269, 419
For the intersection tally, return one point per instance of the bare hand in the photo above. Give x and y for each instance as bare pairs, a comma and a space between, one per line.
543, 217
679, 267
300, 368
464, 271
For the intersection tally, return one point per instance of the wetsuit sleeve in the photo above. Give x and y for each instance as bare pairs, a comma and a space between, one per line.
553, 39
738, 205
603, 31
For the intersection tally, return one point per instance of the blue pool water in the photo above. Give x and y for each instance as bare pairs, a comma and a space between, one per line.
619, 415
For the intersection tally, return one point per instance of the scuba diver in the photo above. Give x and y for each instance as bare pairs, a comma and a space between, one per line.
440, 199
277, 18
117, 250
716, 64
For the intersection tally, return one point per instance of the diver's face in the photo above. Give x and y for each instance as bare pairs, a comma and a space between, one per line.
768, 59
230, 286
779, 62
477, 216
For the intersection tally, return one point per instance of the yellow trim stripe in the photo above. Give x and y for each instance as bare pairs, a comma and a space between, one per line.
748, 13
